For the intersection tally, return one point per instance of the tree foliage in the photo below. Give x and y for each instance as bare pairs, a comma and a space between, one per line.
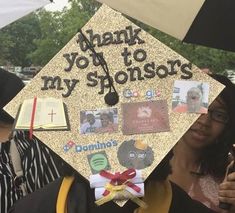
216, 60
17, 40
36, 38
57, 28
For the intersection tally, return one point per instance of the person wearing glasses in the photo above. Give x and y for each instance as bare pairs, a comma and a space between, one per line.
201, 156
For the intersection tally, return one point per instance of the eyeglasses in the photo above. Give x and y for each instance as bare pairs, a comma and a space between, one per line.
219, 116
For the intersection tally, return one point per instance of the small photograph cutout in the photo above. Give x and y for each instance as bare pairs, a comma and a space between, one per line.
190, 97
99, 121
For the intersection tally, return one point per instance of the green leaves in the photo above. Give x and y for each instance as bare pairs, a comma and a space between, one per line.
36, 38
16, 41
216, 60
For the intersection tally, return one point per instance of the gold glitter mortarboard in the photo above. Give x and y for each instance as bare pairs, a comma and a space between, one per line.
143, 72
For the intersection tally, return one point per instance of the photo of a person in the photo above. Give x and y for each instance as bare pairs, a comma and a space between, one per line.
90, 124
98, 121
107, 123
196, 98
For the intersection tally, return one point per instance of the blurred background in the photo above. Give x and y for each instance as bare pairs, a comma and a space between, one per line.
30, 42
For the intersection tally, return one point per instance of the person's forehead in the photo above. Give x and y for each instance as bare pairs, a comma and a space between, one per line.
194, 90
104, 115
193, 94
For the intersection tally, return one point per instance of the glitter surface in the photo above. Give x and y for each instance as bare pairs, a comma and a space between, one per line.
87, 98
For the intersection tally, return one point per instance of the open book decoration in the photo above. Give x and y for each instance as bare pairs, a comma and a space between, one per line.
42, 114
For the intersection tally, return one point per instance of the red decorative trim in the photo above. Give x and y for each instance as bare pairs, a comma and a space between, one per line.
32, 118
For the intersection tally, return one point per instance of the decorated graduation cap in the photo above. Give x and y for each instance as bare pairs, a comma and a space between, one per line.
119, 138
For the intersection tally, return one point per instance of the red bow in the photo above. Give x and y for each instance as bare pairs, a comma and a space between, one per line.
120, 178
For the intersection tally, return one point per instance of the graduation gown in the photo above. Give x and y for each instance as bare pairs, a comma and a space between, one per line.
77, 197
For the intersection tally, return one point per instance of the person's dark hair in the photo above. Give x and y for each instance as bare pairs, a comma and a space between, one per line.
10, 85
109, 115
216, 157
163, 169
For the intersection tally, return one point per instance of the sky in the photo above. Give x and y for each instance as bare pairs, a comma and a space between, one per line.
56, 5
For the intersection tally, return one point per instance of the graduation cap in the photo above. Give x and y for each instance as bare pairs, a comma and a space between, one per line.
134, 134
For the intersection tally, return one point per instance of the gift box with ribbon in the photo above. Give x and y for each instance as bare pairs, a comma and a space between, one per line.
118, 186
